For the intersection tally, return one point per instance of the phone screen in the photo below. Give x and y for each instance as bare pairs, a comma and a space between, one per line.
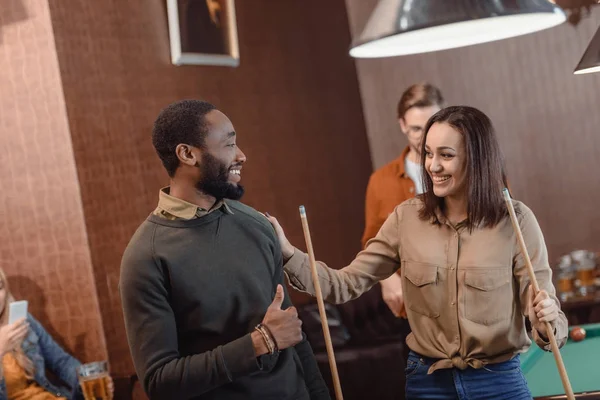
17, 310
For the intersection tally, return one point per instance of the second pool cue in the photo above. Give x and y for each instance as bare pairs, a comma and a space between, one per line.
536, 288
323, 314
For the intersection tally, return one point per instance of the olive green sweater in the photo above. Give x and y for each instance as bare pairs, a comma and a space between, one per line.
192, 292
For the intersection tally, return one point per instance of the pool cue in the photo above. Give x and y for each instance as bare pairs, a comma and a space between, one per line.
321, 304
536, 288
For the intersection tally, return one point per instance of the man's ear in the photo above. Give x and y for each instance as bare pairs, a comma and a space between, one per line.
402, 124
186, 155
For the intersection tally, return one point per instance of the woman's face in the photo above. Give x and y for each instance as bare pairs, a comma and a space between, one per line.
446, 160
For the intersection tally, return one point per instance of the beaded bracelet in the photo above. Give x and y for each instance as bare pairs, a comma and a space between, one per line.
268, 330
270, 346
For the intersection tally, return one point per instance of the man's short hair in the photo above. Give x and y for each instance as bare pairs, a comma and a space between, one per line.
420, 95
182, 122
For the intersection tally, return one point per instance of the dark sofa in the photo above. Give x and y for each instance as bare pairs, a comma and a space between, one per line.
369, 346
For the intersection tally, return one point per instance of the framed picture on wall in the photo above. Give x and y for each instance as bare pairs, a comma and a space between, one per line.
203, 32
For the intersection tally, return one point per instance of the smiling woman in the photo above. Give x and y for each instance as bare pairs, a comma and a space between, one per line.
445, 161
466, 300
465, 168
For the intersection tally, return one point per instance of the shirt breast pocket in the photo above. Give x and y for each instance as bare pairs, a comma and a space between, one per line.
421, 293
488, 295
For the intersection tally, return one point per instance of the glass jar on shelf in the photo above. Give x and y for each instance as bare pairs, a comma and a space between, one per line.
585, 272
566, 279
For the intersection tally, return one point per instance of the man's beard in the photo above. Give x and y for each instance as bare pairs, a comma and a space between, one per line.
214, 181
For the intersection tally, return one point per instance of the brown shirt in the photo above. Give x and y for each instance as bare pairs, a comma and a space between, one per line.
465, 293
388, 187
173, 208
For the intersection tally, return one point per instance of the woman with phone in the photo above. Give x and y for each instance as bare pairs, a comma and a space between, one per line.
26, 349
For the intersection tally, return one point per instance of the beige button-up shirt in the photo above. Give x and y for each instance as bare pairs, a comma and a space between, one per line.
465, 292
173, 208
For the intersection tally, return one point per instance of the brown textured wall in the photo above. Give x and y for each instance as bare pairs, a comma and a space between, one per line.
43, 242
547, 118
294, 102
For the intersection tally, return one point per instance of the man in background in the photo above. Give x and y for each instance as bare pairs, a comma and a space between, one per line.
401, 179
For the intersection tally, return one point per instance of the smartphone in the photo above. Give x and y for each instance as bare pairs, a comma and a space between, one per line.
17, 310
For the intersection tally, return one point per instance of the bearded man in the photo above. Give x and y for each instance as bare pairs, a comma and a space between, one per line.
206, 311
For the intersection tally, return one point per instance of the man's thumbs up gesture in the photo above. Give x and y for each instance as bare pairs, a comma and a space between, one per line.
284, 325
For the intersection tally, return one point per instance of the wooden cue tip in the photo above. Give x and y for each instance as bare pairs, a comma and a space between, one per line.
302, 211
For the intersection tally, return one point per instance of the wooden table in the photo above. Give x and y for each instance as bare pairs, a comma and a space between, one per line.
582, 310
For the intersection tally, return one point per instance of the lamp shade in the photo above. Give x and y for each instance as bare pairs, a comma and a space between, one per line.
400, 27
590, 62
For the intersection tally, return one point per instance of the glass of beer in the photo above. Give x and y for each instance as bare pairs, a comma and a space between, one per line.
566, 286
93, 378
587, 280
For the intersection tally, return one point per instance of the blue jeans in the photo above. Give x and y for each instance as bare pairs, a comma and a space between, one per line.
499, 381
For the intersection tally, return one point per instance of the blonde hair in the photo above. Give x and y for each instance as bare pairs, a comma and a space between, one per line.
24, 361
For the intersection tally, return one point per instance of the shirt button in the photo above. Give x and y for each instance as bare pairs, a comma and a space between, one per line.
412, 190
453, 303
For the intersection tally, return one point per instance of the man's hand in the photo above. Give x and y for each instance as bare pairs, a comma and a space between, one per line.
391, 291
541, 309
284, 325
287, 250
12, 335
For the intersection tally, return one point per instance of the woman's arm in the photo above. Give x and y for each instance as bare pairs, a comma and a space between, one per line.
61, 363
379, 260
